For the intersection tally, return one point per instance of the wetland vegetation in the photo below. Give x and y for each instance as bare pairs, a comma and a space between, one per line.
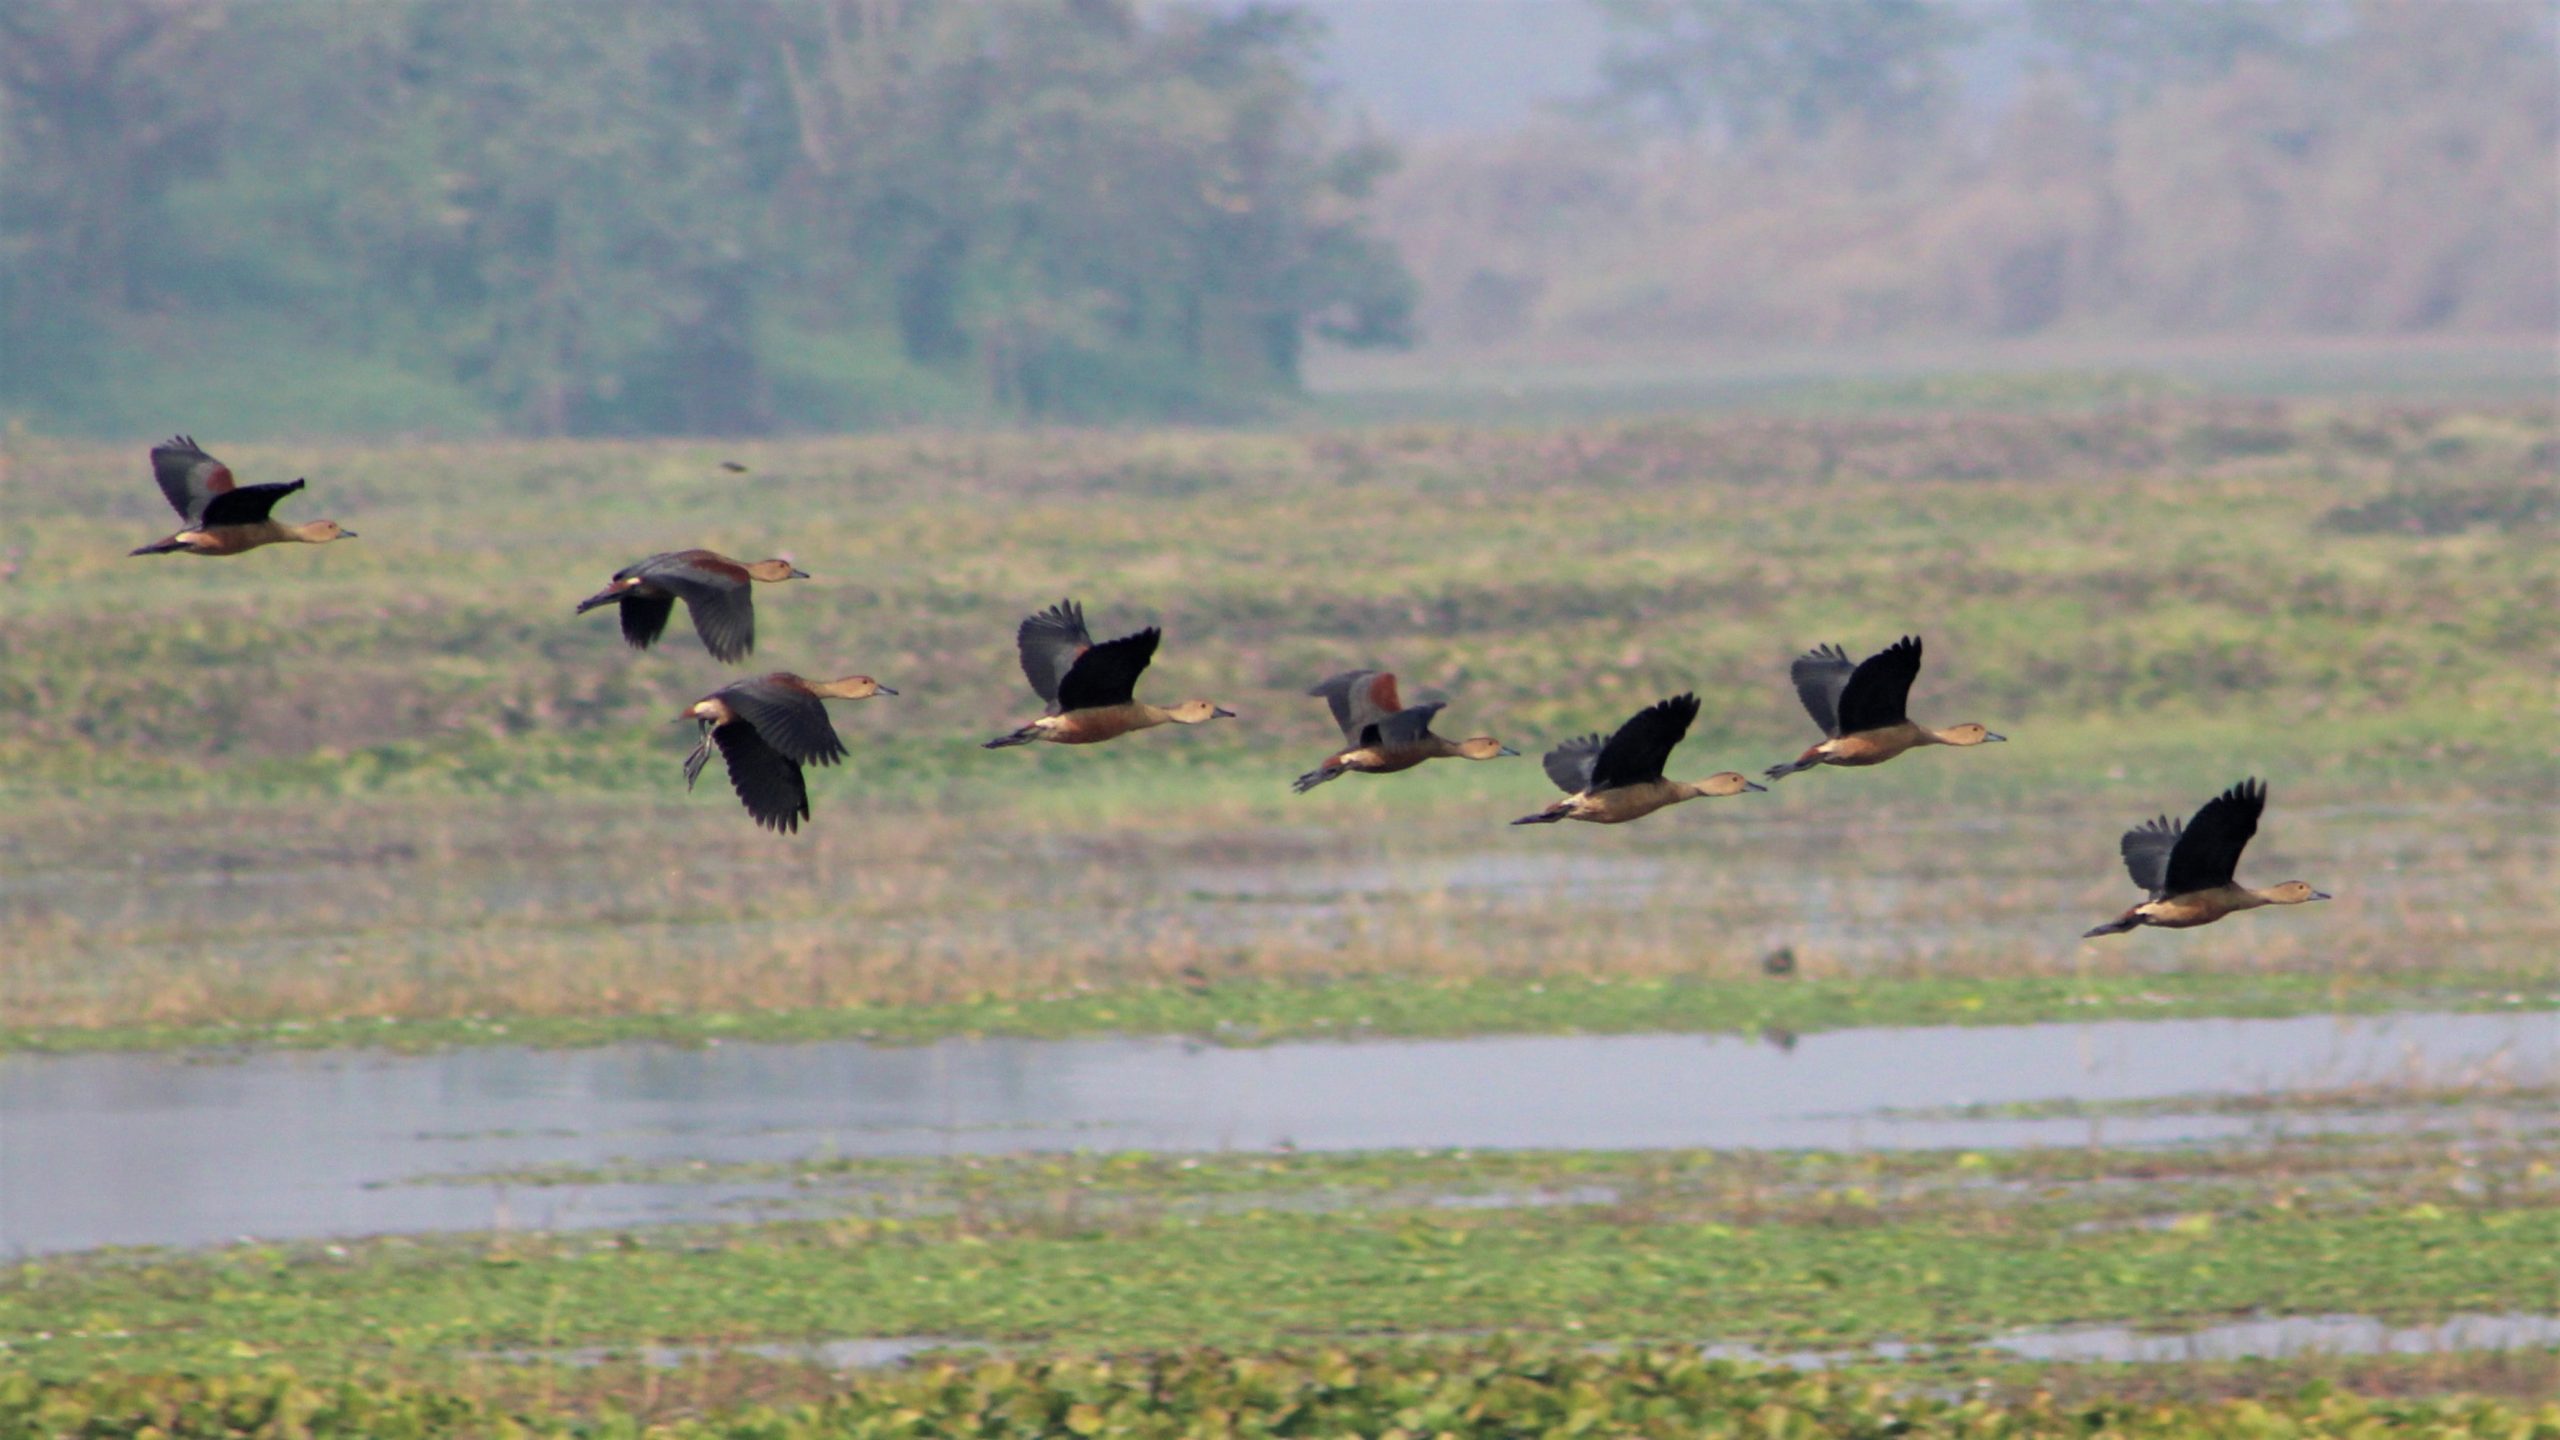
1557, 1251
399, 791
397, 795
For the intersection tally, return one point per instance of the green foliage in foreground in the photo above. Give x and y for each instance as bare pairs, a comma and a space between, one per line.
1489, 1391
1843, 1274
1255, 1012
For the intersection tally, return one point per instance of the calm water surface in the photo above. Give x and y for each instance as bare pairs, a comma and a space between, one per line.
152, 1149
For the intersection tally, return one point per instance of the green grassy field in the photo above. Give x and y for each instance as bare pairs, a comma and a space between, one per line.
394, 779
1134, 1255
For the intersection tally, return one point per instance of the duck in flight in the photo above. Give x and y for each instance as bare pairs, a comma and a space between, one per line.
1612, 781
1384, 734
714, 588
767, 727
1091, 689
223, 516
2189, 868
1861, 708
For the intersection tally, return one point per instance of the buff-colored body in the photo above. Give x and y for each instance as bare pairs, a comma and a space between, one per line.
1874, 747
240, 539
1388, 759
1110, 722
2203, 907
1620, 804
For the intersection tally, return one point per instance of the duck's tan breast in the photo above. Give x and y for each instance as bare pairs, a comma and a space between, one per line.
234, 539
1110, 722
1628, 802
1381, 759
2199, 907
1873, 747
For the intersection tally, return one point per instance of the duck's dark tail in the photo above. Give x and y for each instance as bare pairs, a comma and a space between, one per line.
2129, 920
159, 547
1806, 761
1543, 817
1314, 778
1023, 736
700, 757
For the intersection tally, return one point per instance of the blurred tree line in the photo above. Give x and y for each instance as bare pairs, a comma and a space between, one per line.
1837, 170
700, 216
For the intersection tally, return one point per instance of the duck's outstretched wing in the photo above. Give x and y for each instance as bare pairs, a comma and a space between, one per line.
1820, 674
1569, 764
245, 504
1107, 674
768, 782
2146, 850
1880, 688
1643, 745
791, 719
1359, 699
2208, 854
1049, 641
189, 476
1409, 726
716, 593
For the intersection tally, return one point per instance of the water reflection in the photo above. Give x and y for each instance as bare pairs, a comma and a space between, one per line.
139, 1149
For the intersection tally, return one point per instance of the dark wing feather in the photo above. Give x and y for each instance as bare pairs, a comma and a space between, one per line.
1050, 641
715, 593
1407, 727
188, 476
767, 781
789, 718
245, 504
644, 618
2209, 853
1360, 699
2146, 850
1820, 674
1643, 745
1880, 688
1107, 674
1569, 764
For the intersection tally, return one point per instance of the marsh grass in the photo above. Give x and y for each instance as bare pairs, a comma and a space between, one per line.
397, 780
1133, 1253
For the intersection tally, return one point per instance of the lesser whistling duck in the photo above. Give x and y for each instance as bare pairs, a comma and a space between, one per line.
1861, 708
1612, 781
1384, 733
1091, 689
224, 517
2188, 868
713, 587
767, 727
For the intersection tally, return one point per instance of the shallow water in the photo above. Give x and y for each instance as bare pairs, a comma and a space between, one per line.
154, 1149
2280, 1337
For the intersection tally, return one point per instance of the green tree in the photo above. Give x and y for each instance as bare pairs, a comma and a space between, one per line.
1742, 69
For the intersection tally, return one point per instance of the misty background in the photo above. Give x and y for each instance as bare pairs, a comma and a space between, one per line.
460, 217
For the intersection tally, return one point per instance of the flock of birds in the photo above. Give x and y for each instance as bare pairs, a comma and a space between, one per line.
767, 727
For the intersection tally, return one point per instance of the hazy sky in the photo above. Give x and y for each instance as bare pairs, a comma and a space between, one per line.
1421, 67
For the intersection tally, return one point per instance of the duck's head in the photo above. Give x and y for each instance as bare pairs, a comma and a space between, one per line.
772, 571
851, 687
1484, 747
2295, 892
1198, 712
1970, 734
